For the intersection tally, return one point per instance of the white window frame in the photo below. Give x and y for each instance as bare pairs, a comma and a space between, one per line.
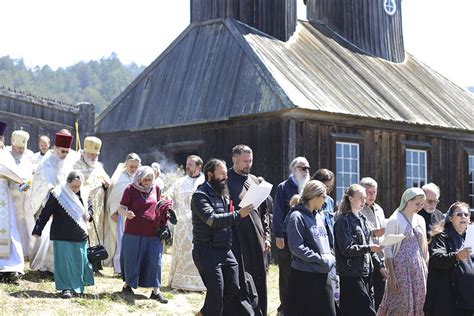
409, 151
470, 181
340, 185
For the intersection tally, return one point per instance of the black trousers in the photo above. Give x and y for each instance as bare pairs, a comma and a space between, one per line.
379, 288
220, 273
284, 267
309, 294
356, 296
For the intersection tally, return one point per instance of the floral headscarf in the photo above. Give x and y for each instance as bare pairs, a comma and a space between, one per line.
408, 195
142, 173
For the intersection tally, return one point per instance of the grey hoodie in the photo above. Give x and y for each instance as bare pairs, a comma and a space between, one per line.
308, 241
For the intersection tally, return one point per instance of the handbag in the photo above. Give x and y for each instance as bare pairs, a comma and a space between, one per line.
96, 253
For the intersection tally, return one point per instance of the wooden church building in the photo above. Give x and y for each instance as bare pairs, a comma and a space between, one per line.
338, 89
40, 116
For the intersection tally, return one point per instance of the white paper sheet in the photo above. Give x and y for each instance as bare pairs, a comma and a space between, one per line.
256, 194
391, 239
469, 241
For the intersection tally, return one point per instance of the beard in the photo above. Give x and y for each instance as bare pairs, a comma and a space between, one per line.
220, 187
91, 163
17, 156
301, 180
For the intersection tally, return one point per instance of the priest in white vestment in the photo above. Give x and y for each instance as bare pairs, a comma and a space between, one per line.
52, 171
114, 222
11, 252
183, 272
43, 144
96, 181
24, 214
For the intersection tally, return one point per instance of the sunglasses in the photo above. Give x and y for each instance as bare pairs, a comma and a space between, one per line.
303, 168
461, 214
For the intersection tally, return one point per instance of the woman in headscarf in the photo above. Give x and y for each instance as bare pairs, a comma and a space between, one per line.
450, 289
407, 260
71, 211
114, 222
140, 257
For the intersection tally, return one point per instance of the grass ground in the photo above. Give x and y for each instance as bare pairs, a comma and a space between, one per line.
33, 295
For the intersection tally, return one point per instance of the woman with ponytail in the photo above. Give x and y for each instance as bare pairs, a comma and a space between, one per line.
309, 287
355, 254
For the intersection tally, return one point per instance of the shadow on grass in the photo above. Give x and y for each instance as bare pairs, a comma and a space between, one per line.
34, 294
38, 276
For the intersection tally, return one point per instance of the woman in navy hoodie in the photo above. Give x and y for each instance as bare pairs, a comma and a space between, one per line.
309, 287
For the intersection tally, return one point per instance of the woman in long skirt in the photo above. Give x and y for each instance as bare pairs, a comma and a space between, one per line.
71, 211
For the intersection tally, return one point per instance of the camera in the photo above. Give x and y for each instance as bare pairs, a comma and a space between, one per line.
164, 233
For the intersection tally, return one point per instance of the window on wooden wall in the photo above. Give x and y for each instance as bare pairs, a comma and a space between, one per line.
470, 177
415, 168
347, 166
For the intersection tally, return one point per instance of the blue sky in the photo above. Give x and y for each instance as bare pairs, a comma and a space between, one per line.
60, 33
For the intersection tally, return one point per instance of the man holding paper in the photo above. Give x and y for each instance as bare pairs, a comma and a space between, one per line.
213, 217
251, 237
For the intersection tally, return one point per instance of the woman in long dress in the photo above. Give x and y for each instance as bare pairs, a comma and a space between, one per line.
406, 261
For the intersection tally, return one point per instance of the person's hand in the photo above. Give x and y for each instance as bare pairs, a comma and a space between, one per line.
129, 215
384, 274
114, 217
280, 242
246, 210
268, 247
86, 217
378, 232
376, 248
36, 236
463, 254
392, 282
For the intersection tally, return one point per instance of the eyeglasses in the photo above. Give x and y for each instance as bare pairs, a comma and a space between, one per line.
461, 214
432, 201
303, 168
64, 151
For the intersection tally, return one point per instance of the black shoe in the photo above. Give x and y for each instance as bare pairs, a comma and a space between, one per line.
66, 294
159, 297
13, 277
127, 290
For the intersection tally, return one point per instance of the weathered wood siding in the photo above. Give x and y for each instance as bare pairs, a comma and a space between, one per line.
276, 18
42, 117
277, 140
364, 23
382, 157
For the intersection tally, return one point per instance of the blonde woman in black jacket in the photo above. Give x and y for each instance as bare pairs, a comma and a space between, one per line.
355, 254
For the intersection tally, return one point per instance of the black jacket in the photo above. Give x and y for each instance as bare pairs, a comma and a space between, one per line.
352, 240
63, 226
212, 219
450, 282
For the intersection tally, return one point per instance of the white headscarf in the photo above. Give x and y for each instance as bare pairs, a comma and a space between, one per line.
142, 173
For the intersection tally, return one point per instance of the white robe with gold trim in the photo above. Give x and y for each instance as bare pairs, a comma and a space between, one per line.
11, 252
183, 272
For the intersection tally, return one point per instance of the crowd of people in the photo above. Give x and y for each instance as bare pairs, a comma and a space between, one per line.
331, 257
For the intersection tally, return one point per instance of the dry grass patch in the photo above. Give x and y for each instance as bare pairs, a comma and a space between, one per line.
34, 295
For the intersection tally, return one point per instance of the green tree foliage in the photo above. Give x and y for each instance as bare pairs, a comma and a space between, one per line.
98, 82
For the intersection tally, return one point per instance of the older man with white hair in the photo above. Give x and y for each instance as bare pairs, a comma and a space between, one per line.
299, 169
22, 200
96, 181
429, 212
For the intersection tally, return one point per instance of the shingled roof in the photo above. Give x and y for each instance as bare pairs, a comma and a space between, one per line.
220, 69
